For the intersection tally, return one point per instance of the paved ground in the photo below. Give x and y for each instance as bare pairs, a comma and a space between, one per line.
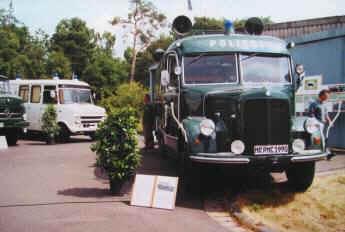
57, 188
54, 188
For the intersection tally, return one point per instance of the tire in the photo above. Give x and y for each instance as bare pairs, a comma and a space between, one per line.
92, 136
64, 134
300, 176
189, 172
12, 137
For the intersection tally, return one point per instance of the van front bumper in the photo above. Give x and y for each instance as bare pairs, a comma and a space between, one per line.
231, 158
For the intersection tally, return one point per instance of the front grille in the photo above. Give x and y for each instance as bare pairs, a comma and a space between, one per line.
91, 119
266, 122
10, 115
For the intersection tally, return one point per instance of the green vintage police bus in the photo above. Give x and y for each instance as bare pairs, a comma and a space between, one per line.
230, 99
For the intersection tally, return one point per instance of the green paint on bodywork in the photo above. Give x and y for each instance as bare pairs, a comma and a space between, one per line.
229, 43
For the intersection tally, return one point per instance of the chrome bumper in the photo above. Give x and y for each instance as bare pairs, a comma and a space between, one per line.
230, 158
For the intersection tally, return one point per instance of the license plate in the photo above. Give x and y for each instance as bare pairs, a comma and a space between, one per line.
1, 124
271, 149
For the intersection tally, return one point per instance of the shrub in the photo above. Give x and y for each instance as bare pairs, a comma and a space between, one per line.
49, 122
116, 145
126, 95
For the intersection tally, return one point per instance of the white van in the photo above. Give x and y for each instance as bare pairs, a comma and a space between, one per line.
73, 100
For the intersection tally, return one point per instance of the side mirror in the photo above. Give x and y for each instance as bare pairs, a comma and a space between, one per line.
299, 69
52, 93
158, 54
178, 70
165, 78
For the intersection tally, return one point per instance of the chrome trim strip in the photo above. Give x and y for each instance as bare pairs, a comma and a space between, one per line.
212, 160
305, 158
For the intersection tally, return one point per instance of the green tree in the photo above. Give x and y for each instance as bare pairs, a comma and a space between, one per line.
58, 63
142, 22
209, 24
76, 41
145, 59
105, 73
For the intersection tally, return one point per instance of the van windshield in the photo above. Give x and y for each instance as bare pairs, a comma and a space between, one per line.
75, 95
4, 87
257, 68
208, 69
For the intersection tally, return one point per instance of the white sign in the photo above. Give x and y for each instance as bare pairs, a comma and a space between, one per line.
3, 143
154, 191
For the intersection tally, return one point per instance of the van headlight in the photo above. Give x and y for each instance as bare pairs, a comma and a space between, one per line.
311, 125
237, 147
77, 120
298, 145
207, 127
25, 117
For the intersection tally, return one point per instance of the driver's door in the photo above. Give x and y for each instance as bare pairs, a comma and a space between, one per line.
171, 97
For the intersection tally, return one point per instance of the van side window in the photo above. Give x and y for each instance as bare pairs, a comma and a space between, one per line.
24, 92
49, 95
35, 94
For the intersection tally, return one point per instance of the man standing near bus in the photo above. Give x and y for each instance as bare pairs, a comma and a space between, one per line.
318, 108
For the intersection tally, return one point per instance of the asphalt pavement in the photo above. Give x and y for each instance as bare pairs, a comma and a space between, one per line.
57, 188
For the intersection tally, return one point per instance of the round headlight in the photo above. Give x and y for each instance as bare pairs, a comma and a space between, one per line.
207, 127
298, 145
311, 125
237, 147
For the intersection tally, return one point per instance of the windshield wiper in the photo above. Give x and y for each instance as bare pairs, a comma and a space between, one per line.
249, 56
196, 59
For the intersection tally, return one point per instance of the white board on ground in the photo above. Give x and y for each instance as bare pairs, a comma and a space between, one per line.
154, 191
3, 143
142, 190
165, 192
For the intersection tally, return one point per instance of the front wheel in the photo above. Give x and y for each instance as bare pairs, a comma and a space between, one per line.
64, 134
300, 176
92, 136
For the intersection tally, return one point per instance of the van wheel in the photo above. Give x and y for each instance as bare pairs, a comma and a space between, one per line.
64, 134
92, 135
300, 176
12, 137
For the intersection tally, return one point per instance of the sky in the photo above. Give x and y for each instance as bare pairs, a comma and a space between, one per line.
45, 14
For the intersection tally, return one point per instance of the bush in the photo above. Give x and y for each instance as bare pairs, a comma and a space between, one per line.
116, 145
49, 122
127, 95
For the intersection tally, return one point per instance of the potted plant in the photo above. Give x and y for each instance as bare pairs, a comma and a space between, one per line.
116, 147
49, 124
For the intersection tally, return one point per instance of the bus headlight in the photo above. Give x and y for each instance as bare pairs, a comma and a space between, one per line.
298, 145
237, 147
311, 125
25, 117
207, 127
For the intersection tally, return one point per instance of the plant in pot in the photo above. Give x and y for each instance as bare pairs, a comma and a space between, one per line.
116, 147
49, 124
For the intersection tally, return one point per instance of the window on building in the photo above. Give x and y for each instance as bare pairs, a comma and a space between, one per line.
35, 94
49, 95
24, 92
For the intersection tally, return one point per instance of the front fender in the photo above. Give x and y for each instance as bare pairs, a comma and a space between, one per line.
196, 142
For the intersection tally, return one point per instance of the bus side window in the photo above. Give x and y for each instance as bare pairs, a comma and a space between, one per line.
35, 94
24, 92
49, 95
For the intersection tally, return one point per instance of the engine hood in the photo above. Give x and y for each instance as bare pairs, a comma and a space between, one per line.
85, 109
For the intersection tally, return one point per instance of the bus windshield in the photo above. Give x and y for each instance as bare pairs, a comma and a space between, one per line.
210, 69
75, 95
265, 69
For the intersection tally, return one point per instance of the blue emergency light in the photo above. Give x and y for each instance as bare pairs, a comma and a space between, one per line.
228, 27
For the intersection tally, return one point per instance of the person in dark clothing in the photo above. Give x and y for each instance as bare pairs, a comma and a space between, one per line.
148, 122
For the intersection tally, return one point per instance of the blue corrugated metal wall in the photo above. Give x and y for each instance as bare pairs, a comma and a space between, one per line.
324, 53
